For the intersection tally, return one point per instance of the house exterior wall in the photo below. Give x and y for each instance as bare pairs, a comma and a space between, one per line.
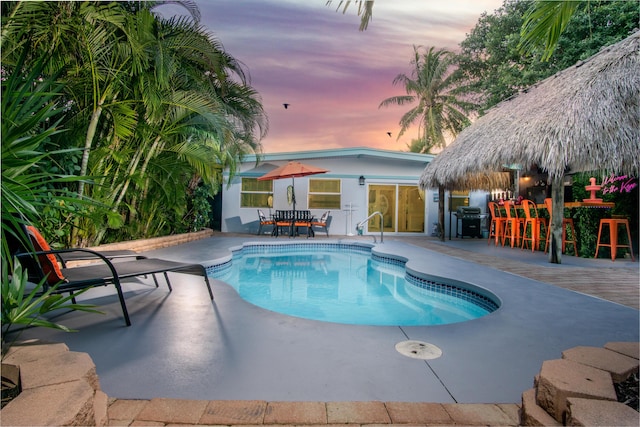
377, 166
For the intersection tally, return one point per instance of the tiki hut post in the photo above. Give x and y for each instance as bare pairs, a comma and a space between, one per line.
441, 211
557, 215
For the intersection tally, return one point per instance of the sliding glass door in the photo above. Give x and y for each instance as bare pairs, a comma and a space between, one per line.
401, 206
410, 210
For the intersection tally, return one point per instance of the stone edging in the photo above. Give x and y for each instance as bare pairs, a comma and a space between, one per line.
578, 390
61, 387
143, 245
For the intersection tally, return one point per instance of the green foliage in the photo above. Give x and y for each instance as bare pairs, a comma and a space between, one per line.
30, 192
577, 29
28, 307
493, 66
200, 209
148, 104
56, 217
489, 60
544, 23
587, 220
365, 10
30, 118
595, 24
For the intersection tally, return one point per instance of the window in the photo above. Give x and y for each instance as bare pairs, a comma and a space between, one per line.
324, 194
256, 194
458, 198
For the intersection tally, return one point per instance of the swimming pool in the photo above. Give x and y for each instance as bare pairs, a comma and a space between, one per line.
346, 283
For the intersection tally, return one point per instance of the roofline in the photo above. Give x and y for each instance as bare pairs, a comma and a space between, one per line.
340, 152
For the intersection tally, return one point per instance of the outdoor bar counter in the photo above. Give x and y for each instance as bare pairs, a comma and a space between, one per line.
586, 233
573, 205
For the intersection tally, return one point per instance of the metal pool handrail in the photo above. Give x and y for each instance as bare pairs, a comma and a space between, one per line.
364, 221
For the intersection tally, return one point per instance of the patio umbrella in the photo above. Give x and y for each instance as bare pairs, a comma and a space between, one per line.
583, 118
292, 170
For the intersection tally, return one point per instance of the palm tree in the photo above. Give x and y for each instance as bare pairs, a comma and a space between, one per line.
155, 105
191, 114
87, 46
440, 112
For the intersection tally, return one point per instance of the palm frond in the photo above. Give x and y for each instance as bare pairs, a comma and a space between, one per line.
543, 24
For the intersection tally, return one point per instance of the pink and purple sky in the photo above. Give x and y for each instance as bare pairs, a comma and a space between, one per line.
311, 56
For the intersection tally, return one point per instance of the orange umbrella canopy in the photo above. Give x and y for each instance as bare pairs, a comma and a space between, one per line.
292, 170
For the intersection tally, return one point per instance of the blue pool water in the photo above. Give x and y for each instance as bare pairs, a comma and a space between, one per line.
345, 286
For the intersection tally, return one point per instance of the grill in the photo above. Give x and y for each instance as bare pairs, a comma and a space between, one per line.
470, 218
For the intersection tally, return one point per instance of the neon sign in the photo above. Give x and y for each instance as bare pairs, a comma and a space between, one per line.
618, 184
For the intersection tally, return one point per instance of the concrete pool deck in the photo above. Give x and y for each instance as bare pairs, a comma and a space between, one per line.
179, 347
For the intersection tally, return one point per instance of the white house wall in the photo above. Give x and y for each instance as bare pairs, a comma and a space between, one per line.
377, 167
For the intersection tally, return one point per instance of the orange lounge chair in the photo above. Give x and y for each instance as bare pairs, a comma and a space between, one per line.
48, 266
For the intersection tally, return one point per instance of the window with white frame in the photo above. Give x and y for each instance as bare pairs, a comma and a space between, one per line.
325, 193
256, 194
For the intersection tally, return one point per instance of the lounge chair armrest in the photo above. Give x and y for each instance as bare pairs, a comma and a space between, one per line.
72, 254
91, 255
82, 254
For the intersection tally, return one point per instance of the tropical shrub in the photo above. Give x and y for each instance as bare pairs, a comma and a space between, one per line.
29, 307
152, 106
30, 118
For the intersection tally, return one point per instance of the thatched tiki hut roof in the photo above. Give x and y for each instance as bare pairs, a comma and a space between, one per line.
584, 118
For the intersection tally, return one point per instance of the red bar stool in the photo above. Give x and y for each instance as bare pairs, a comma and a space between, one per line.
566, 222
613, 244
497, 223
532, 224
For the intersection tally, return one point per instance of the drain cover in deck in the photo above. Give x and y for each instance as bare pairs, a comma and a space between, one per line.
418, 350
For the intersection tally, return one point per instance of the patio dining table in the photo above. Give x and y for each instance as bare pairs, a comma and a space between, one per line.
292, 219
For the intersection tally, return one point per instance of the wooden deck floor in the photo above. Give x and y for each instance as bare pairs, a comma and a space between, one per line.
620, 285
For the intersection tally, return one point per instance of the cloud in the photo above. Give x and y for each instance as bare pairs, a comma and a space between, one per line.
309, 55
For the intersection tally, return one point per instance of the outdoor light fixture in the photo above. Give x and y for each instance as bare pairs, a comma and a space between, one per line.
361, 180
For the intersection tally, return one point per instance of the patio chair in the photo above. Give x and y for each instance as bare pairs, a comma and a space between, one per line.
284, 220
110, 268
264, 221
322, 223
303, 219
